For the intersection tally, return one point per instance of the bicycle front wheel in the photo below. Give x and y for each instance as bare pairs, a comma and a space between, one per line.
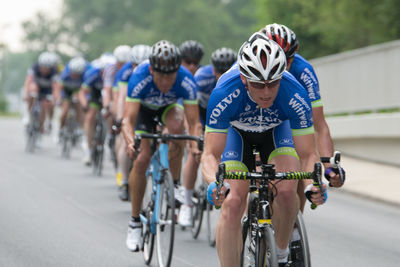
166, 225
299, 248
212, 219
199, 201
266, 255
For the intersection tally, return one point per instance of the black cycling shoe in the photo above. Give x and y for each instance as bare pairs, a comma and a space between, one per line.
124, 192
296, 254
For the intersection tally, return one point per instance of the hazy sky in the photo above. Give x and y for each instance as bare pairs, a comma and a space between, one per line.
13, 12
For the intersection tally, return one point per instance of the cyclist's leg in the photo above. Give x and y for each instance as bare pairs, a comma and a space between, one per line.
191, 167
64, 111
173, 118
286, 203
124, 162
229, 231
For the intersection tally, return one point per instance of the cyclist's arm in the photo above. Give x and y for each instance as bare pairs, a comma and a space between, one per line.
58, 87
107, 92
322, 133
195, 127
28, 83
131, 111
123, 90
214, 144
305, 148
82, 96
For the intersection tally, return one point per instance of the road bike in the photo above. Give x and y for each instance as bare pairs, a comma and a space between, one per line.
70, 133
259, 248
33, 128
99, 136
158, 212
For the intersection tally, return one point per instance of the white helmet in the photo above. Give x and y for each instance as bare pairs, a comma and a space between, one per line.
122, 53
261, 59
106, 59
47, 60
77, 65
140, 53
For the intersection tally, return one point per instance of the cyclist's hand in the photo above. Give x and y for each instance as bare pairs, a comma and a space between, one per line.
313, 194
116, 127
212, 193
105, 112
332, 175
131, 151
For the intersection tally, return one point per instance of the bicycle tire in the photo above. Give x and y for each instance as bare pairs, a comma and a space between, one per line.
166, 225
266, 255
304, 259
199, 203
212, 219
148, 236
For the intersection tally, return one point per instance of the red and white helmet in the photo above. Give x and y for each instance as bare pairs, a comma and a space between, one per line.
284, 36
261, 59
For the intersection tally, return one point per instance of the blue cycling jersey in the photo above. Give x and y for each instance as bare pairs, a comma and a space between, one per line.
302, 70
230, 104
93, 79
123, 74
141, 88
206, 81
67, 81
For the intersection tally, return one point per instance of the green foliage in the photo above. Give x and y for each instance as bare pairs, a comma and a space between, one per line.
332, 26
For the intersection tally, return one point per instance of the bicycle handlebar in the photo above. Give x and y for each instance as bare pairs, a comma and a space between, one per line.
268, 173
165, 137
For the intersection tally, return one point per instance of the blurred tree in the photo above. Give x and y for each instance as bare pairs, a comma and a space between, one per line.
331, 26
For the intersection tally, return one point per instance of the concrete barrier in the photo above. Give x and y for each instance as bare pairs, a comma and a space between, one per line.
365, 79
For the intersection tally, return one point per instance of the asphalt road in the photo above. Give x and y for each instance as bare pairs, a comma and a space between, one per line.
54, 212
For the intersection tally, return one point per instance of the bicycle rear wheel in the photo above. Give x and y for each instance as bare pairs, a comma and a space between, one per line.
199, 203
299, 249
266, 255
166, 225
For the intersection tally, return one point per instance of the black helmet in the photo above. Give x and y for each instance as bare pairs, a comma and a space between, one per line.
192, 51
222, 59
165, 57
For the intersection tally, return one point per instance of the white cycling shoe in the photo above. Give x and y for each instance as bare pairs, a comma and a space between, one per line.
134, 238
186, 216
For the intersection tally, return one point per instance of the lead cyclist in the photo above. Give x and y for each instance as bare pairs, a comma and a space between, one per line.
256, 104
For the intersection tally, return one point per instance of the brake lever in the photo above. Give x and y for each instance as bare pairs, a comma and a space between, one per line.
317, 181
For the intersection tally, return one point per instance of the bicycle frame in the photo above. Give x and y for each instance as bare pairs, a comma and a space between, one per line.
158, 165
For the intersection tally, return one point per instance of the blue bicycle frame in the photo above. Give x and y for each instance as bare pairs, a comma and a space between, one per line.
158, 165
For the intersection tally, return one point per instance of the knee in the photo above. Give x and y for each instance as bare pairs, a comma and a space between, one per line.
233, 208
176, 127
287, 196
142, 162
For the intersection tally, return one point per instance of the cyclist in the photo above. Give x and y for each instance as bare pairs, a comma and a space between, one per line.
257, 104
192, 53
40, 85
122, 55
68, 86
206, 78
139, 53
153, 91
302, 70
90, 99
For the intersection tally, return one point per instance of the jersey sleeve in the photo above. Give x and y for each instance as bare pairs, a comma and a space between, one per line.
300, 114
109, 75
136, 87
189, 90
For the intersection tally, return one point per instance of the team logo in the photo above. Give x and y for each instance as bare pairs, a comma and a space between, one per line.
248, 107
231, 154
286, 141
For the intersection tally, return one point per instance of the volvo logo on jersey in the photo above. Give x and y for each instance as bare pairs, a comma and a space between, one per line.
222, 105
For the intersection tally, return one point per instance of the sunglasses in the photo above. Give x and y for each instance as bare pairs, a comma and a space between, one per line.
263, 84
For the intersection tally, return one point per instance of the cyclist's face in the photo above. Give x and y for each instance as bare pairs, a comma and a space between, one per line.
164, 82
44, 70
190, 65
262, 93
